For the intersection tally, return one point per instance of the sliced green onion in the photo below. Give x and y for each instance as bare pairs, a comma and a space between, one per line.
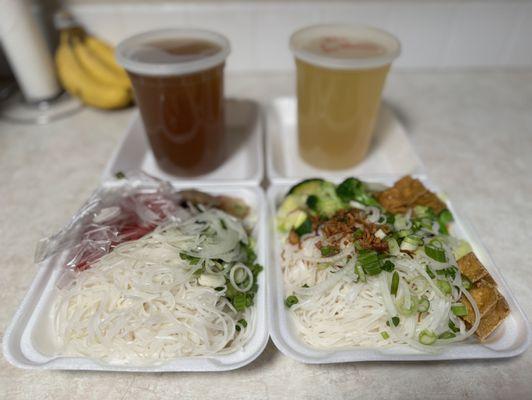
360, 272
327, 251
436, 253
404, 233
240, 301
393, 321
400, 303
358, 233
395, 283
429, 272
427, 337
411, 243
291, 300
385, 335
444, 219
423, 304
446, 335
414, 240
370, 262
466, 283
459, 309
453, 327
400, 222
388, 266
393, 246
421, 211
444, 286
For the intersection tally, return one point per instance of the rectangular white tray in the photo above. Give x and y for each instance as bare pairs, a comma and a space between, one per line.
390, 153
26, 336
244, 164
511, 338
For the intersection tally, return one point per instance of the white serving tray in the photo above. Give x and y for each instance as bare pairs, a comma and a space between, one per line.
510, 339
390, 153
244, 164
25, 340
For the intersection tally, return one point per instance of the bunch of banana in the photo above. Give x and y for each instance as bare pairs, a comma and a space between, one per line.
87, 69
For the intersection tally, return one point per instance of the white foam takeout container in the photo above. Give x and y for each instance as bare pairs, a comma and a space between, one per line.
27, 340
510, 339
243, 165
390, 153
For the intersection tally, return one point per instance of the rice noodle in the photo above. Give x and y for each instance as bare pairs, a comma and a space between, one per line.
335, 310
142, 303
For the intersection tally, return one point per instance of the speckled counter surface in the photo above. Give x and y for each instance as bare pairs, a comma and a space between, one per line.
473, 130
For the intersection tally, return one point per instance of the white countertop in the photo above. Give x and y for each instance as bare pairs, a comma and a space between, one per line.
473, 130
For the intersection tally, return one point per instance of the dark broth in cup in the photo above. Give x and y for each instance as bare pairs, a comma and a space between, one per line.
183, 113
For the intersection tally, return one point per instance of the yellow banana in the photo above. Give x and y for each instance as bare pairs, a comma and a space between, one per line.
78, 82
95, 66
106, 54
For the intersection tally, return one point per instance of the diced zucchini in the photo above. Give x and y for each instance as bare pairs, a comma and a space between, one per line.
291, 221
323, 194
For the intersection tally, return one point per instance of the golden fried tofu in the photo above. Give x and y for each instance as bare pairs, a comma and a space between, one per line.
472, 268
430, 200
406, 193
485, 295
493, 319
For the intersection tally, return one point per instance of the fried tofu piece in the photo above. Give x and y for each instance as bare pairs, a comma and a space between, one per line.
493, 319
486, 297
491, 304
430, 200
472, 268
406, 193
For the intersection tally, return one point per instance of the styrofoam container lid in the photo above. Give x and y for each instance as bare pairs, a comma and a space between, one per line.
144, 53
342, 46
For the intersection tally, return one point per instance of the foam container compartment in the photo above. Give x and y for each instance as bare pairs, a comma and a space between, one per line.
28, 343
510, 339
243, 165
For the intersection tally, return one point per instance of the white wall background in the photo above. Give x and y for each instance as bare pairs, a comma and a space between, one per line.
434, 34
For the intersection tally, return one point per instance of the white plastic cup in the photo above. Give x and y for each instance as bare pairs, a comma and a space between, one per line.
341, 71
177, 77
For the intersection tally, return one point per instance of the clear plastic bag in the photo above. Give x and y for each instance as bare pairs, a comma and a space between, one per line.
125, 210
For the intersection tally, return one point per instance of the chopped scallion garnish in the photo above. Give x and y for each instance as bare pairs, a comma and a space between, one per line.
388, 266
394, 321
459, 309
435, 252
385, 335
395, 283
446, 335
466, 283
444, 286
427, 337
291, 300
423, 305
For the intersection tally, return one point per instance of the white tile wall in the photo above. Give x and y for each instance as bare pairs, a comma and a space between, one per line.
433, 34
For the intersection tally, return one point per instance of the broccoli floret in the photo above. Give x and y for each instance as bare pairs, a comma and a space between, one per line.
354, 189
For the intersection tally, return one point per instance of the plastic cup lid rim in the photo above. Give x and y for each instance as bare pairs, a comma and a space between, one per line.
127, 47
305, 35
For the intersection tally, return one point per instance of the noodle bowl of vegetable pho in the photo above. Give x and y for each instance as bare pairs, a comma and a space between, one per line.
157, 274
365, 265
